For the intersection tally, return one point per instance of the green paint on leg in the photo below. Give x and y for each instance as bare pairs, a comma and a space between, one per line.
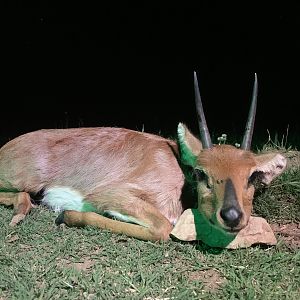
209, 233
10, 190
88, 207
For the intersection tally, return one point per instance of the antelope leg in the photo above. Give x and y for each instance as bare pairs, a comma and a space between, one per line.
21, 203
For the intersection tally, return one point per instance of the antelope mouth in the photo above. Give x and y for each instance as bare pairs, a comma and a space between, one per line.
234, 230
227, 229
231, 221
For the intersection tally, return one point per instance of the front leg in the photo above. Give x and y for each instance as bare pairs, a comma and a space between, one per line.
21, 203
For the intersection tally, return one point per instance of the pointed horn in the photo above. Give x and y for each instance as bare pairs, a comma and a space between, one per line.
246, 144
204, 133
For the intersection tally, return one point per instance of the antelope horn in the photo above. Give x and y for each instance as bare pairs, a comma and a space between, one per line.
204, 133
246, 144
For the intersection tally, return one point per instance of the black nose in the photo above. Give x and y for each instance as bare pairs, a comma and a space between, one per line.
231, 216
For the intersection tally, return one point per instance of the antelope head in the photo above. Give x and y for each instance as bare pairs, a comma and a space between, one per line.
225, 175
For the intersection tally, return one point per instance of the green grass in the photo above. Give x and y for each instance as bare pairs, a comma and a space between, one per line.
280, 202
39, 260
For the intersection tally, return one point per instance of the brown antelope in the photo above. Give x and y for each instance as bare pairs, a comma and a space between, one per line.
133, 182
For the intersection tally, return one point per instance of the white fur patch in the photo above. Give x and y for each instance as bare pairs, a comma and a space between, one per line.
63, 198
124, 218
181, 132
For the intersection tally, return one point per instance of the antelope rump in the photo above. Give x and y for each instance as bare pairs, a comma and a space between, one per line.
133, 182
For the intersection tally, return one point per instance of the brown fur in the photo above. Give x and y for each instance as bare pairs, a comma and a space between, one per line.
223, 162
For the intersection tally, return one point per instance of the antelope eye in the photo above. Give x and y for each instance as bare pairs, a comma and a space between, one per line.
200, 175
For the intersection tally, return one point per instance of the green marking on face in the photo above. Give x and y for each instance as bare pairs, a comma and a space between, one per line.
187, 156
211, 234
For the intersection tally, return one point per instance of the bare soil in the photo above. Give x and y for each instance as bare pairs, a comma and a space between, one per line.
289, 233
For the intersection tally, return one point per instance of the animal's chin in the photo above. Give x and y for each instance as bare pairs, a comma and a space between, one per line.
232, 230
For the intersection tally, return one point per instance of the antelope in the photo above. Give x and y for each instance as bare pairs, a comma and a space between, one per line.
132, 182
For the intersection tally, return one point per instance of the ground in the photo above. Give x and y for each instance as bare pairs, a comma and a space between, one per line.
289, 233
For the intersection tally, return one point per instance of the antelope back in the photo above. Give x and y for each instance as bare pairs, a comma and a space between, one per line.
90, 159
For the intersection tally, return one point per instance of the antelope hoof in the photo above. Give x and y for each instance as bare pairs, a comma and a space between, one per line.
60, 219
16, 219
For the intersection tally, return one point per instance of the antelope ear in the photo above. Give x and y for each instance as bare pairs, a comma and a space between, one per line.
269, 165
189, 145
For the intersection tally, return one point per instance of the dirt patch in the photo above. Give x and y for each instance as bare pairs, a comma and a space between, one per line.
289, 233
211, 279
84, 265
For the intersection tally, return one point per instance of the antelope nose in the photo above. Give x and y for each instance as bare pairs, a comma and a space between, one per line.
231, 216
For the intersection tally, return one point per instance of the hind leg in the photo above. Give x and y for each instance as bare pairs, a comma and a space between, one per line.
21, 203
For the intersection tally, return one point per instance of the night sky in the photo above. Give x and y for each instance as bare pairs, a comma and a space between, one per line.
79, 64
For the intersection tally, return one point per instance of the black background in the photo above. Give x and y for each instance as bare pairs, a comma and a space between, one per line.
71, 64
